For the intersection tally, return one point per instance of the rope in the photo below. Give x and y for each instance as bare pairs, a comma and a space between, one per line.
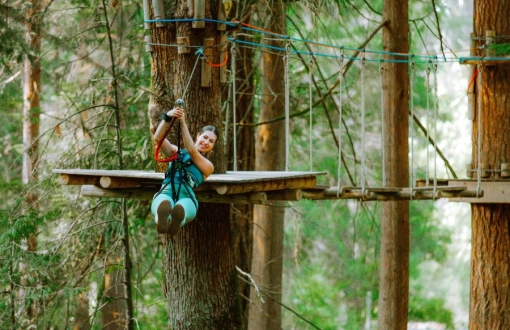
479, 137
363, 151
427, 83
287, 108
411, 131
217, 65
383, 131
234, 103
310, 77
340, 87
436, 111
425, 58
180, 103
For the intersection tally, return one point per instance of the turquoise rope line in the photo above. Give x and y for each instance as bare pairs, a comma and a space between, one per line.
416, 58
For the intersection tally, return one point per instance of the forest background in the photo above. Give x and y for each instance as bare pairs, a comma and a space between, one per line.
331, 247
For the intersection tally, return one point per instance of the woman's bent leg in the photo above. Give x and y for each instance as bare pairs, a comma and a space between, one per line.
156, 202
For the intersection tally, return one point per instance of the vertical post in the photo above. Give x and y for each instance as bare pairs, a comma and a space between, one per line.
159, 11
198, 14
206, 68
223, 58
221, 16
471, 84
394, 265
146, 15
489, 41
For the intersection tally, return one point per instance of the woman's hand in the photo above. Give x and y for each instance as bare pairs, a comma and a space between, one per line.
177, 113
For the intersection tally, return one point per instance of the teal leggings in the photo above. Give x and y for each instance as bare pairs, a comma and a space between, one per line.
185, 199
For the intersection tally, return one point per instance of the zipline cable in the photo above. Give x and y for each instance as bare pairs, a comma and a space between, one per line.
479, 137
234, 102
287, 107
436, 112
340, 88
411, 130
310, 89
179, 103
363, 147
427, 88
383, 130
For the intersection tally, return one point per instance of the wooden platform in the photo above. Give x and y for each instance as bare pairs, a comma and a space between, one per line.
251, 187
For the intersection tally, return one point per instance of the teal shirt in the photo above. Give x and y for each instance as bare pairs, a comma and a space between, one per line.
194, 175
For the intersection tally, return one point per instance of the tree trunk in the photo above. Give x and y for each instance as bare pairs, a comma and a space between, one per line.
242, 215
490, 251
394, 267
200, 280
31, 116
268, 220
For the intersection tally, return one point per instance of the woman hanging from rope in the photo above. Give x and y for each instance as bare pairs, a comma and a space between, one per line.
175, 204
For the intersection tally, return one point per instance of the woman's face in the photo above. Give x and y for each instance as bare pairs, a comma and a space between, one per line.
205, 142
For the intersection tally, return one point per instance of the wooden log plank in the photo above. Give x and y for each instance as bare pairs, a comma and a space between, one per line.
69, 179
95, 191
148, 194
493, 191
402, 194
293, 183
285, 195
118, 182
198, 14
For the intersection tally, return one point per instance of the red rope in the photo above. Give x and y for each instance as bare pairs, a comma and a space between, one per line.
220, 64
160, 143
472, 78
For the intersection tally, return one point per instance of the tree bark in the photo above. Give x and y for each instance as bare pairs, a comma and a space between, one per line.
490, 240
268, 220
200, 280
394, 267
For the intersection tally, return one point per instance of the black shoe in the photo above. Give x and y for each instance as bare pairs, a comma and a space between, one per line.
177, 217
164, 210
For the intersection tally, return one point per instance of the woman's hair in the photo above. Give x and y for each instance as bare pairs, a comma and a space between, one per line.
210, 128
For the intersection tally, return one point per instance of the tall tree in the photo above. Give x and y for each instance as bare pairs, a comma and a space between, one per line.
31, 82
200, 282
490, 251
267, 260
394, 267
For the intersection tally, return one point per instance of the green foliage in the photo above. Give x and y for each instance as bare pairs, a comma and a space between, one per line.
432, 309
499, 49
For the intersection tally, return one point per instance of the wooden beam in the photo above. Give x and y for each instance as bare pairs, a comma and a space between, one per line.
389, 194
276, 184
76, 179
199, 14
285, 195
148, 194
206, 68
95, 191
117, 182
493, 191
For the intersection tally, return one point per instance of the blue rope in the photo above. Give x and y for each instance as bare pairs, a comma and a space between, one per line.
405, 57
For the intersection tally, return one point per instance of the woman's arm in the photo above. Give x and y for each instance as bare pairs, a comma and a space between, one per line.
203, 164
167, 148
